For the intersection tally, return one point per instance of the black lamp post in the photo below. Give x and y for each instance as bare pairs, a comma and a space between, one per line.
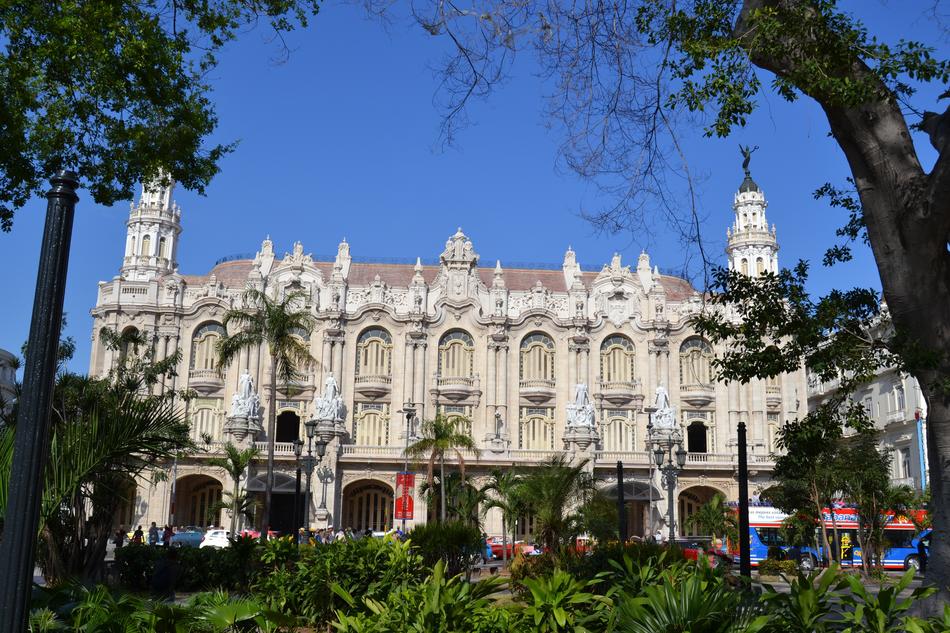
309, 464
298, 451
621, 504
669, 463
745, 562
31, 444
410, 412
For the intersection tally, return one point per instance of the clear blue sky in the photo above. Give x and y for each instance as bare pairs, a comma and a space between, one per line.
342, 140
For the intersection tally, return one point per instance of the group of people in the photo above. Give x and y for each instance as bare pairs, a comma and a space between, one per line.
329, 535
156, 536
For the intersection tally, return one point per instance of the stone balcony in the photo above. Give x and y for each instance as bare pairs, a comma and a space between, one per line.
538, 391
205, 380
373, 386
457, 388
773, 396
619, 393
697, 395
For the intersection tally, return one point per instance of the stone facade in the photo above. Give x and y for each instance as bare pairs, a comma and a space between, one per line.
7, 377
894, 402
505, 347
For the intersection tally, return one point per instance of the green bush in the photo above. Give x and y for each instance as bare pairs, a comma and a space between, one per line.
367, 568
201, 569
458, 544
773, 567
775, 553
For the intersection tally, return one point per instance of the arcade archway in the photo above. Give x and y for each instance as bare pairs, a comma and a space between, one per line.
196, 500
690, 501
367, 504
638, 497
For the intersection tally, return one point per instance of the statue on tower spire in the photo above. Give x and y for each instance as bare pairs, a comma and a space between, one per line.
747, 157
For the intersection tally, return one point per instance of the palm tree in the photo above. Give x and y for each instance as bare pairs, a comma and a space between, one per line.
552, 493
715, 518
278, 325
235, 462
438, 437
508, 497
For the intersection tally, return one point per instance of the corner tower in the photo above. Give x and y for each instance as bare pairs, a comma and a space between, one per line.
751, 246
151, 244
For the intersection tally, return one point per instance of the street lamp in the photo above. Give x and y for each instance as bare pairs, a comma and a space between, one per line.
298, 451
409, 411
669, 463
309, 464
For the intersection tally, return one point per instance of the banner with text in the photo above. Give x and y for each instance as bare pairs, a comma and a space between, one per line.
405, 491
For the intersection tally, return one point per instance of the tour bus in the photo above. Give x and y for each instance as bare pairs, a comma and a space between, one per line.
765, 524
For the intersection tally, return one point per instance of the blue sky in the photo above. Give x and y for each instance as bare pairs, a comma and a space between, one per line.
342, 141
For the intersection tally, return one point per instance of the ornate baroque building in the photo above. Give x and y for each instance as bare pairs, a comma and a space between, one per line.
506, 347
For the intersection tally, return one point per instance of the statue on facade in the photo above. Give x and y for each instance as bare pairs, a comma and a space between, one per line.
581, 411
664, 416
329, 406
245, 402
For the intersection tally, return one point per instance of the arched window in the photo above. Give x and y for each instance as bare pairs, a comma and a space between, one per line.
457, 355
696, 441
745, 266
205, 423
204, 353
617, 359
374, 353
128, 344
536, 430
162, 252
146, 246
759, 266
695, 362
619, 431
537, 358
372, 424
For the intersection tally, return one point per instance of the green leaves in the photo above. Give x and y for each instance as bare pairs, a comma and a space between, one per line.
116, 91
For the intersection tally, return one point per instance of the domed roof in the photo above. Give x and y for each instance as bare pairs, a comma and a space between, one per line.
748, 185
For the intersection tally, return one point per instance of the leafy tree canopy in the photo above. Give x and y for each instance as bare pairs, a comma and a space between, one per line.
116, 91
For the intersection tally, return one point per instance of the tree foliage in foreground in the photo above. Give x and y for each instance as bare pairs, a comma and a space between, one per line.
116, 91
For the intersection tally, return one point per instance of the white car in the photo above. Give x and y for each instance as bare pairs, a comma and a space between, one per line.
215, 538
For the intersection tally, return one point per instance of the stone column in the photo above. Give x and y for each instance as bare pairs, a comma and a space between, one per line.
505, 389
572, 357
337, 362
490, 387
408, 359
242, 365
325, 359
255, 364
419, 382
584, 376
173, 349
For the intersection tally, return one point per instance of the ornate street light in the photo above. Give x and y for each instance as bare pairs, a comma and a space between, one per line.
409, 411
310, 463
298, 451
669, 463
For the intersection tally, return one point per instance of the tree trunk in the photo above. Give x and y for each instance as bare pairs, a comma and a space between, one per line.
504, 542
907, 215
271, 430
234, 506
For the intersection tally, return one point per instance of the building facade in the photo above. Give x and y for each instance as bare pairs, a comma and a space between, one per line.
516, 351
7, 378
894, 401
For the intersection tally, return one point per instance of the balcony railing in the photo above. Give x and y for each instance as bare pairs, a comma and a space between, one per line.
629, 457
537, 382
698, 395
373, 386
280, 448
455, 381
205, 374
896, 416
374, 379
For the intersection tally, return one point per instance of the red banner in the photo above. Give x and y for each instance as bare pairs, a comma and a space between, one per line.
405, 490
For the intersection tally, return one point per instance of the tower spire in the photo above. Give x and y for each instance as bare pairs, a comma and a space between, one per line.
151, 246
752, 247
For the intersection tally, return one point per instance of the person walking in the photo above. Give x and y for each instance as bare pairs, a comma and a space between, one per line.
167, 536
118, 539
922, 555
153, 534
138, 536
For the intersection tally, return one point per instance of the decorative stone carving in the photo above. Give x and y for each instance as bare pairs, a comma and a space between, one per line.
329, 406
245, 418
664, 414
581, 411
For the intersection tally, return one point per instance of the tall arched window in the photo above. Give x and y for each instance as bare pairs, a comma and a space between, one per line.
204, 354
146, 246
759, 266
372, 424
162, 248
536, 430
745, 266
617, 359
537, 358
457, 355
205, 423
374, 353
619, 431
695, 362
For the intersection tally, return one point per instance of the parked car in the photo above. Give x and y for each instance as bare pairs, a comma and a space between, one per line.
216, 538
189, 537
499, 548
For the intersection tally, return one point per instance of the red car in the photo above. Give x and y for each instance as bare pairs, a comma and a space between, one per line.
499, 549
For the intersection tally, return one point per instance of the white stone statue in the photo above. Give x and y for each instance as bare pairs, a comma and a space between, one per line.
665, 415
329, 406
581, 411
245, 402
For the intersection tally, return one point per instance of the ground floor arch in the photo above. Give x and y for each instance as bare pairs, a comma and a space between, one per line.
287, 427
281, 503
196, 500
367, 504
690, 500
640, 502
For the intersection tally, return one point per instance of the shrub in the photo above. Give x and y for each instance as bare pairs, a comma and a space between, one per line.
529, 567
559, 602
458, 544
367, 568
773, 567
775, 553
201, 569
